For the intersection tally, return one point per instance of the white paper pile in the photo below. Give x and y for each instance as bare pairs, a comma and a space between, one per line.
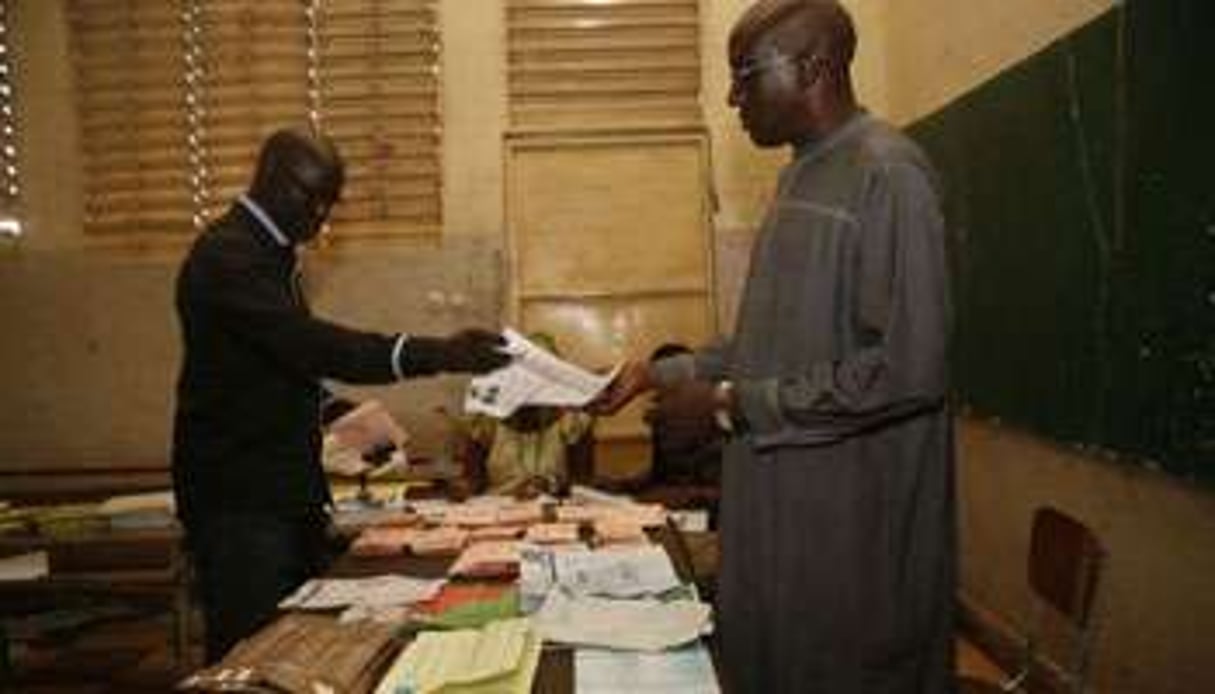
637, 625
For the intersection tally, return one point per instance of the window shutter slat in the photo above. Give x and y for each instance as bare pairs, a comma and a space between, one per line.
379, 85
588, 64
126, 58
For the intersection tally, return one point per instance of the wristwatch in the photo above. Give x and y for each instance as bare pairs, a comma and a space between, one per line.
723, 396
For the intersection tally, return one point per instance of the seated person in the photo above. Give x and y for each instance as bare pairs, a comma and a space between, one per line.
682, 456
685, 460
528, 453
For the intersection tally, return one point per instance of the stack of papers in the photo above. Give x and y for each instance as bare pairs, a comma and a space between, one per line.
468, 605
384, 541
500, 658
534, 377
25, 567
495, 532
302, 653
645, 515
614, 531
368, 426
552, 533
621, 572
484, 559
149, 502
636, 625
351, 517
375, 591
438, 541
480, 511
686, 670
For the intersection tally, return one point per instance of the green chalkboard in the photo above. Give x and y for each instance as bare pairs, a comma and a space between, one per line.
1080, 191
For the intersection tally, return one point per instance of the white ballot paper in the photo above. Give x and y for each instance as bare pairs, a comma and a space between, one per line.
372, 591
534, 377
686, 670
630, 625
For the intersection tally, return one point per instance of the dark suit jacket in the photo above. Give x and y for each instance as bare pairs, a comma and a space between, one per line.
247, 427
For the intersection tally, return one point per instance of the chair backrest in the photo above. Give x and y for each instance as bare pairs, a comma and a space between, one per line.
1066, 560
580, 458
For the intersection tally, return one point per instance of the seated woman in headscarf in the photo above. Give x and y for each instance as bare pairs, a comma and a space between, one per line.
528, 452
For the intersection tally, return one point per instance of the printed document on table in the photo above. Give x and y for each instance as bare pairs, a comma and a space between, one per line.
620, 573
373, 591
534, 377
25, 567
631, 625
500, 658
687, 670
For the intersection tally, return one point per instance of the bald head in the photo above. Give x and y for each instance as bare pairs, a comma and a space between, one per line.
299, 176
819, 28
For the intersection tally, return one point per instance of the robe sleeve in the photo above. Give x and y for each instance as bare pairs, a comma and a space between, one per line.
899, 313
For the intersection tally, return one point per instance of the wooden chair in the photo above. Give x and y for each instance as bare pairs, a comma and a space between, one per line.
1064, 569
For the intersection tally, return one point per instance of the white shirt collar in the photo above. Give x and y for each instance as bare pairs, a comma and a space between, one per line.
267, 223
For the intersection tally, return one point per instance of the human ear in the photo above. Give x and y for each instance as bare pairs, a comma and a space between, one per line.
810, 70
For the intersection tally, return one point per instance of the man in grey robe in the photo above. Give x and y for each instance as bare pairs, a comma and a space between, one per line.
837, 514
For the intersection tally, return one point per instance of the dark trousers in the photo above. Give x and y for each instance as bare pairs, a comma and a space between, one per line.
245, 563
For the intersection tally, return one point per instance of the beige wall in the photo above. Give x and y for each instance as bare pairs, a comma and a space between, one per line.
939, 49
474, 116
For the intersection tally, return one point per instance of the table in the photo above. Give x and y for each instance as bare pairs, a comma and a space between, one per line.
108, 563
555, 674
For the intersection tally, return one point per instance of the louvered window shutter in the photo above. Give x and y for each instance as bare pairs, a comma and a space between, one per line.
254, 80
176, 98
10, 174
589, 64
378, 74
131, 101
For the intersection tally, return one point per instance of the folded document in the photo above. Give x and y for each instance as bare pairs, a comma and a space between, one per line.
500, 658
534, 377
631, 625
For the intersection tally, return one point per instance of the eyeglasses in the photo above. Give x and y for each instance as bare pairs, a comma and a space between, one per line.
743, 72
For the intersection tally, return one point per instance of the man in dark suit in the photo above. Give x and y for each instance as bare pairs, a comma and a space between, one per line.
250, 490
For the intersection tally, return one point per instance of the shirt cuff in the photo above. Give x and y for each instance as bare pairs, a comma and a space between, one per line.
724, 413
397, 351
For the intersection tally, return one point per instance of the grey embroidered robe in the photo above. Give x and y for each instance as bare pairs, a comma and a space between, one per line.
837, 515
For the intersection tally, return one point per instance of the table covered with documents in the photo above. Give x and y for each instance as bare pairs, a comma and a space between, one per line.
489, 595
